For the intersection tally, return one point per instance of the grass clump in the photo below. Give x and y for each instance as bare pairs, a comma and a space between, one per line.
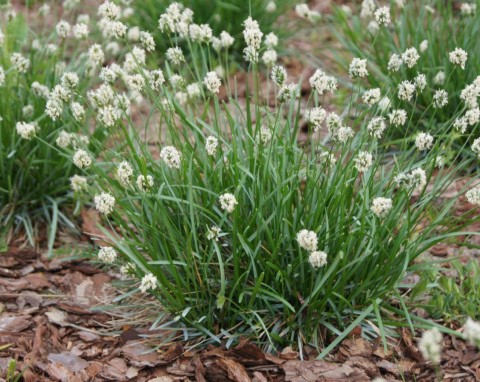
236, 227
426, 45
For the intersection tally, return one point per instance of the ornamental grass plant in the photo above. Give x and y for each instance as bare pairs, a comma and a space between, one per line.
237, 228
409, 42
219, 15
35, 177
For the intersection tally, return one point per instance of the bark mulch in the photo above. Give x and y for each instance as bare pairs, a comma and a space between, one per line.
49, 325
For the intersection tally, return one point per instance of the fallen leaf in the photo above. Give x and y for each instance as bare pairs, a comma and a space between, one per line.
15, 324
234, 370
70, 361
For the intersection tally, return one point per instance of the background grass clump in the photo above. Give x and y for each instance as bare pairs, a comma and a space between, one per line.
35, 177
432, 28
219, 15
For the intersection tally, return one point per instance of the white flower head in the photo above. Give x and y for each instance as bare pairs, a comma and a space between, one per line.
363, 161
398, 117
410, 57
228, 202
316, 116
458, 57
368, 8
322, 82
420, 82
471, 330
307, 240
171, 156
149, 282
430, 345
271, 40
124, 173
144, 183
82, 159
107, 254
279, 75
212, 82
406, 90
423, 141
376, 127
269, 57
382, 16
381, 206
473, 196
372, 96
358, 68
175, 55
317, 259
213, 233
211, 145
440, 99
26, 130
423, 46
394, 63
63, 29
104, 202
439, 78
476, 147
78, 183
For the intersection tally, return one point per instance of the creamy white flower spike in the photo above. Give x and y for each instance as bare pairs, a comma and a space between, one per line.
78, 183
80, 31
423, 46
20, 63
171, 156
315, 117
358, 68
394, 63
381, 206
458, 57
440, 99
144, 183
382, 16
368, 8
410, 57
473, 196
213, 233
228, 202
423, 141
104, 203
107, 254
476, 147
149, 282
406, 90
322, 83
212, 82
317, 259
430, 345
376, 127
279, 75
124, 173
372, 96
439, 78
26, 130
211, 145
307, 240
82, 159
175, 55
63, 29
363, 161
398, 117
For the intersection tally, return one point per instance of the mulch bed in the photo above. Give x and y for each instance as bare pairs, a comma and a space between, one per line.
48, 324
